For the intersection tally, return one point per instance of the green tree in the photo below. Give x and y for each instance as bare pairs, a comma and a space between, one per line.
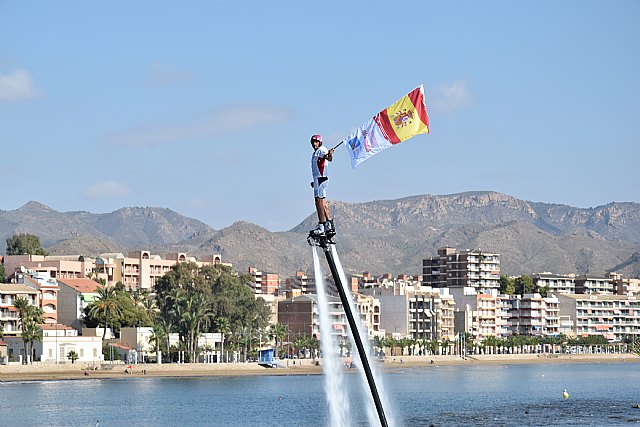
24, 244
277, 332
3, 276
524, 284
506, 285
73, 356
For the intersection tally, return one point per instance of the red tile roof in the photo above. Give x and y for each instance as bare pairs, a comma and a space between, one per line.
84, 285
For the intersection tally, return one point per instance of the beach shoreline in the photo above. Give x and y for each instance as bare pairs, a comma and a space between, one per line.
80, 371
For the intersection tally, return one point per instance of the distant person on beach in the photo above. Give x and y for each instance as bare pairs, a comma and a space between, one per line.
319, 162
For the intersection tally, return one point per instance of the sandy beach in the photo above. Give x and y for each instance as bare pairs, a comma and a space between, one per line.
79, 371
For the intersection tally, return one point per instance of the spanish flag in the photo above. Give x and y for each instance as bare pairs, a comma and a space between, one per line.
405, 118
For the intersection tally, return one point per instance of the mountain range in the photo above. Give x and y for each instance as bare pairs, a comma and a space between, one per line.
385, 236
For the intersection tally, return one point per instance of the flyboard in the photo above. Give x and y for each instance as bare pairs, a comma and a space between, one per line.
325, 242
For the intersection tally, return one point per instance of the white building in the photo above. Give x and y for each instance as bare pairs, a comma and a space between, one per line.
74, 295
57, 341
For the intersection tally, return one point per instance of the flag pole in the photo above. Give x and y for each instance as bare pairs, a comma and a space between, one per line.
338, 144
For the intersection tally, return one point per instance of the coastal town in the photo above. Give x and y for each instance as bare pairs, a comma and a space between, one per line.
54, 310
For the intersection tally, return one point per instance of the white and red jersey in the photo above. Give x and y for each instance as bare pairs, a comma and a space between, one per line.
319, 162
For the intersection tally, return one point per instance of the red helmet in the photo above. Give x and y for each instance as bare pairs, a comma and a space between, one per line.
317, 138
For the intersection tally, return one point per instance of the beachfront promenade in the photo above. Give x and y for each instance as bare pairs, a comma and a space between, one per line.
47, 372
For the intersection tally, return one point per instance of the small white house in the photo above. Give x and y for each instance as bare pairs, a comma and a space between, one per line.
57, 341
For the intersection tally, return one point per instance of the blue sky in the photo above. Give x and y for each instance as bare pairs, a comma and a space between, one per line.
206, 107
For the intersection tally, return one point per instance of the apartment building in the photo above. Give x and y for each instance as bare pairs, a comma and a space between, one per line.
431, 314
66, 267
594, 284
48, 288
9, 317
458, 269
531, 314
479, 314
73, 297
412, 310
137, 270
300, 282
302, 318
556, 283
263, 283
369, 309
622, 286
613, 316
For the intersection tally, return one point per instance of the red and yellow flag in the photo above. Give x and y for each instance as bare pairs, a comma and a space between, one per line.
405, 118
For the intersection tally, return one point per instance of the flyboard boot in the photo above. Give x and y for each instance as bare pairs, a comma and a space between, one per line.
318, 236
330, 231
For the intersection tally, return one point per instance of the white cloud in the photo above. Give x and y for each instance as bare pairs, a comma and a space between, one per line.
163, 75
17, 86
449, 97
108, 188
232, 119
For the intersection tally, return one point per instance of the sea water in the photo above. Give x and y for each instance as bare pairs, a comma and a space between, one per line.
601, 394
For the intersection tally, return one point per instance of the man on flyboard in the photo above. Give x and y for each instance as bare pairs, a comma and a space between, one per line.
319, 162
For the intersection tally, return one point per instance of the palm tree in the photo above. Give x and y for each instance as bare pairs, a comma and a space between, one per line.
223, 327
73, 356
434, 346
22, 305
30, 317
446, 346
302, 342
403, 343
314, 345
277, 332
159, 334
391, 343
106, 304
192, 314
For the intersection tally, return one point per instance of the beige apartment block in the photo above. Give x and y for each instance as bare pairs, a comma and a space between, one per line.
431, 314
48, 288
369, 309
9, 318
532, 314
408, 309
624, 286
137, 270
613, 316
458, 269
556, 283
57, 267
594, 284
479, 314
